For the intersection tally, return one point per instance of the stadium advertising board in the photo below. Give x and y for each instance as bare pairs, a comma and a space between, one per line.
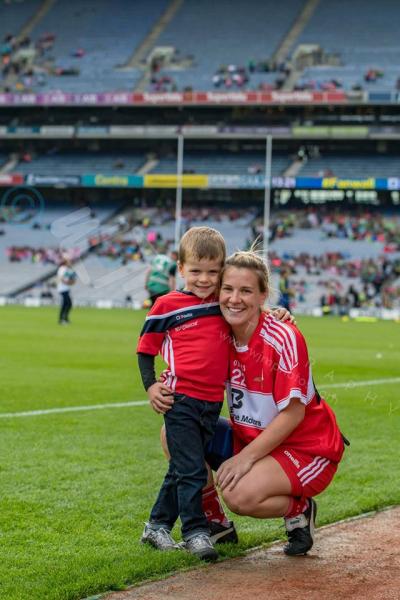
112, 180
53, 180
11, 179
217, 181
172, 98
248, 182
171, 181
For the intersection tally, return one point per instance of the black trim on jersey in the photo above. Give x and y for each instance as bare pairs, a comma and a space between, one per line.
172, 321
317, 394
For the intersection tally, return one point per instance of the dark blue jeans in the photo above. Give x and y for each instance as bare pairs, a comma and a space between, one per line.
190, 425
66, 305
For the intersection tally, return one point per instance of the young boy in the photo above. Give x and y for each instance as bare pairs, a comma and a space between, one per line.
188, 329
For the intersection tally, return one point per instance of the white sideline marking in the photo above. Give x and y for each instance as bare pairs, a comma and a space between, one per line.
353, 384
66, 409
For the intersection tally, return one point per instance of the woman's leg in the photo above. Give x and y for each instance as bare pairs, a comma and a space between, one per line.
264, 492
267, 492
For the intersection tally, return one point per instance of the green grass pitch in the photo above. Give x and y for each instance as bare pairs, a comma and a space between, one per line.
76, 487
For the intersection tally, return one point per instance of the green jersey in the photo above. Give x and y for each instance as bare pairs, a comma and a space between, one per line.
158, 281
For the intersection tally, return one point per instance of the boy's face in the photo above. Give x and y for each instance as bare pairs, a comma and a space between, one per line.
201, 276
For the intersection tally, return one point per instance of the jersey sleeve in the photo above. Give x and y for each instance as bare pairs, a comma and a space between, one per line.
154, 329
293, 373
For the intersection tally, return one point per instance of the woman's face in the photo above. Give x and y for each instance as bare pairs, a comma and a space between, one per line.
240, 297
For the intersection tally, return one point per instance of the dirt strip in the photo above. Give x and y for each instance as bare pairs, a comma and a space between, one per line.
357, 559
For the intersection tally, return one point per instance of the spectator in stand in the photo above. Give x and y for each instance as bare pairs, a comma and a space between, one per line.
285, 290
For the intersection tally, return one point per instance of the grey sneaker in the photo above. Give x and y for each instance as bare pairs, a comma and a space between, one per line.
200, 545
158, 538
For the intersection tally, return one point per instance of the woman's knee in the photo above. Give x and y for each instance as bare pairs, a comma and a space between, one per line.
238, 502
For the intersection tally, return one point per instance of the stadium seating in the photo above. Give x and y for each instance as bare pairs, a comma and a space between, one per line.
227, 163
352, 166
14, 275
15, 15
107, 33
234, 37
75, 163
364, 36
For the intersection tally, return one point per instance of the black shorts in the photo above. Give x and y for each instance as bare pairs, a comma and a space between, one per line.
220, 448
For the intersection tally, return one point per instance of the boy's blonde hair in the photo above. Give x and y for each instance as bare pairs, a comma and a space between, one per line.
250, 259
202, 242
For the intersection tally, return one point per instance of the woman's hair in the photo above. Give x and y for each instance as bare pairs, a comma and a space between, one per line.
252, 260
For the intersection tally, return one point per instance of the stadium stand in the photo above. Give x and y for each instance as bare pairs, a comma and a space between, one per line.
86, 43
227, 163
35, 235
359, 272
234, 38
76, 163
15, 15
351, 165
346, 30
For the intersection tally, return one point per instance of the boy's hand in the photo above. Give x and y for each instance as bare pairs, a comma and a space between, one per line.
281, 314
160, 397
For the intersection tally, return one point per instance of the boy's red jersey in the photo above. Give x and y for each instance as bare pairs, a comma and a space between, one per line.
264, 376
194, 341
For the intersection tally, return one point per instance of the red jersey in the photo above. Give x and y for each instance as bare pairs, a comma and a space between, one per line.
264, 376
194, 341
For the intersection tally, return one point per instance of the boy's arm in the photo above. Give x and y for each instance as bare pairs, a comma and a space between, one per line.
146, 368
160, 396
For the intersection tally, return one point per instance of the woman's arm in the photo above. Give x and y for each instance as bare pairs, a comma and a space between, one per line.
274, 434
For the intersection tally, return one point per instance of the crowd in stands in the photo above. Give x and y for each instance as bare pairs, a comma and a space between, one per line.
232, 75
27, 64
374, 279
357, 226
44, 256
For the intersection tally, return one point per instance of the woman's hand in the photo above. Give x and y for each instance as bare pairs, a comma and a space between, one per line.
232, 470
161, 397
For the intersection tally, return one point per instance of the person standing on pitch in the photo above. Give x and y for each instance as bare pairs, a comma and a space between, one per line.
187, 328
161, 275
66, 278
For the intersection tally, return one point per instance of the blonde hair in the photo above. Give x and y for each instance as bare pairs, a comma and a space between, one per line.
202, 242
251, 259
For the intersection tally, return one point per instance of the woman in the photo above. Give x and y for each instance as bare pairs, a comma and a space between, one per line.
286, 443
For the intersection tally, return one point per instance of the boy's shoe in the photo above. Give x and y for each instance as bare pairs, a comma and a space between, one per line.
223, 534
300, 531
200, 545
158, 538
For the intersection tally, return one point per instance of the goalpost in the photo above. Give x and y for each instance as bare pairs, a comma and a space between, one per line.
267, 192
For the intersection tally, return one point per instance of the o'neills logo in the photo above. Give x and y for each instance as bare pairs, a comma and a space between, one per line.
292, 458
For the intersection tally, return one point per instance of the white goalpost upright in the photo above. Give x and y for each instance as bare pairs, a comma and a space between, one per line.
267, 195
178, 205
